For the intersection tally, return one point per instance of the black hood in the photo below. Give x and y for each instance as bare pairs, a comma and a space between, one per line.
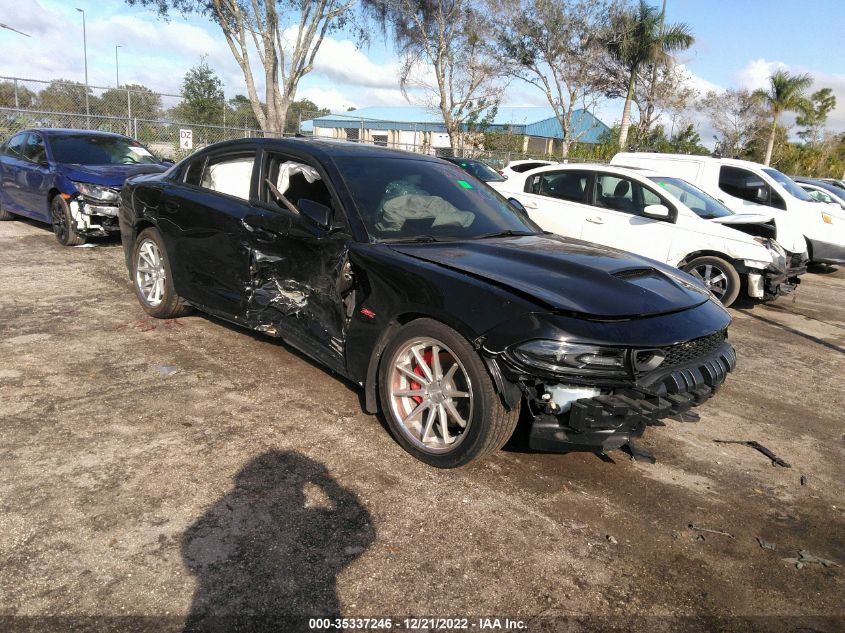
569, 275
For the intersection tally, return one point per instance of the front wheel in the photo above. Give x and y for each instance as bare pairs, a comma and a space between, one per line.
439, 400
63, 226
5, 215
718, 275
152, 278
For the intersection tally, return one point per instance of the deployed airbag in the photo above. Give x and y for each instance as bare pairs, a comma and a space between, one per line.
421, 207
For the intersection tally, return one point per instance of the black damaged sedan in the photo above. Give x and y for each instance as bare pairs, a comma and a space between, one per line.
406, 275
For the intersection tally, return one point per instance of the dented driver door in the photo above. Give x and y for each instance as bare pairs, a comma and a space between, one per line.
300, 280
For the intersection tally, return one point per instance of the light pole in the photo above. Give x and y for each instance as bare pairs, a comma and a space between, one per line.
116, 65
85, 50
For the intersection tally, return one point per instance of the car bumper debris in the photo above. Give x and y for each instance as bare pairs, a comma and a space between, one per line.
92, 219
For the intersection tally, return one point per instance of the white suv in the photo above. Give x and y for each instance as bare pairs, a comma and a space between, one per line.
745, 187
664, 218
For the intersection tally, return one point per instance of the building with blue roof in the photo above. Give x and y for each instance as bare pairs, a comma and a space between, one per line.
414, 127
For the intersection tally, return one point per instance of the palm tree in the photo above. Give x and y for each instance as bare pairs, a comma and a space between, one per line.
785, 94
638, 38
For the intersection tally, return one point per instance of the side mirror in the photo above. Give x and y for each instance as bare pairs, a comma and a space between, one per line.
657, 212
319, 214
516, 204
166, 162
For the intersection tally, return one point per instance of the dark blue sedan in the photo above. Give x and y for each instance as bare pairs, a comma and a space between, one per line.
70, 179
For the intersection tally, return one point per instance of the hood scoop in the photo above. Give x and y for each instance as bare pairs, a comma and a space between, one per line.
633, 273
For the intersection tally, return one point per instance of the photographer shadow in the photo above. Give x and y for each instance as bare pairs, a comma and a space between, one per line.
266, 556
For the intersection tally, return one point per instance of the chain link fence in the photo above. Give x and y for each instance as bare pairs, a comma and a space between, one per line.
156, 120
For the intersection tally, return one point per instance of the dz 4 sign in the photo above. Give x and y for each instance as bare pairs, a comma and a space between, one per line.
186, 139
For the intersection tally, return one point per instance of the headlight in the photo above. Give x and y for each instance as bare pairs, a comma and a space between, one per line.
562, 357
827, 218
96, 192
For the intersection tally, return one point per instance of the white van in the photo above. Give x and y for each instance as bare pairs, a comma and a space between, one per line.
746, 187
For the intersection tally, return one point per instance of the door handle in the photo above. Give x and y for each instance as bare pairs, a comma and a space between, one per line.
262, 235
529, 205
171, 206
596, 220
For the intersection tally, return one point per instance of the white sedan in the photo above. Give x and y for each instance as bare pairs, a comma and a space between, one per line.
663, 218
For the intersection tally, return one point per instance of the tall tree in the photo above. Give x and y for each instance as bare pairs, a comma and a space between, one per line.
737, 117
202, 96
443, 51
286, 34
144, 103
785, 94
639, 37
662, 89
554, 46
62, 95
814, 115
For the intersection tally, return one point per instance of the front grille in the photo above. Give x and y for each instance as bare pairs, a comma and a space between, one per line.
683, 353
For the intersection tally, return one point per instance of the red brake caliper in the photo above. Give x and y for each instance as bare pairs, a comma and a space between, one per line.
419, 372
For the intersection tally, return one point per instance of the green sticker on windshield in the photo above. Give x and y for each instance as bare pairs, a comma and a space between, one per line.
464, 184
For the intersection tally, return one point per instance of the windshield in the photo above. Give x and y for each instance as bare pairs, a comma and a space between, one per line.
702, 204
402, 199
787, 183
479, 170
79, 149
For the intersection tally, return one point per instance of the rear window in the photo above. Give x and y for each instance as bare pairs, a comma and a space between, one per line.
527, 167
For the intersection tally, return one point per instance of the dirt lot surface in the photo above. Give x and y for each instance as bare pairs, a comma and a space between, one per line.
188, 472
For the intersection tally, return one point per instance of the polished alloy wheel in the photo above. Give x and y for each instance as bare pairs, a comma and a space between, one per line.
713, 277
430, 395
150, 275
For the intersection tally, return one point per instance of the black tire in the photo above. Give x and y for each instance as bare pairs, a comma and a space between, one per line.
63, 227
171, 305
727, 288
5, 215
489, 425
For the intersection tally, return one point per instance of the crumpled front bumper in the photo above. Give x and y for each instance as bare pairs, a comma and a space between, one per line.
91, 219
611, 420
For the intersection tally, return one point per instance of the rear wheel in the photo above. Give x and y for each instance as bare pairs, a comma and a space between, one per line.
439, 400
152, 278
63, 223
718, 275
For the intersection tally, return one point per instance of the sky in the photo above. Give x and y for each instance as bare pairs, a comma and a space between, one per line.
738, 44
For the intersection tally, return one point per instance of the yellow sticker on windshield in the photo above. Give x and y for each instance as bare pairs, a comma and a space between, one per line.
464, 184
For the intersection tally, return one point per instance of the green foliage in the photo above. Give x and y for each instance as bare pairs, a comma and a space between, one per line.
65, 96
302, 110
814, 114
202, 96
145, 103
26, 98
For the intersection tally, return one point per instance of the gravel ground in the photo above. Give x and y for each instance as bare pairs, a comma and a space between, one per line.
178, 474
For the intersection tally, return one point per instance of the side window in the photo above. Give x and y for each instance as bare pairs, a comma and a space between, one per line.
34, 149
16, 145
193, 171
562, 185
292, 180
622, 194
743, 184
650, 198
230, 175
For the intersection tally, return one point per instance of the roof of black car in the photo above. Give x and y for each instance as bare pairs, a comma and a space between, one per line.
327, 147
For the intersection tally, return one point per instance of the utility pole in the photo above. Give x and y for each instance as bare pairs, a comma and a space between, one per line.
85, 50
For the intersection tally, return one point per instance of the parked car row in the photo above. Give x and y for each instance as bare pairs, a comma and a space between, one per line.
406, 274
